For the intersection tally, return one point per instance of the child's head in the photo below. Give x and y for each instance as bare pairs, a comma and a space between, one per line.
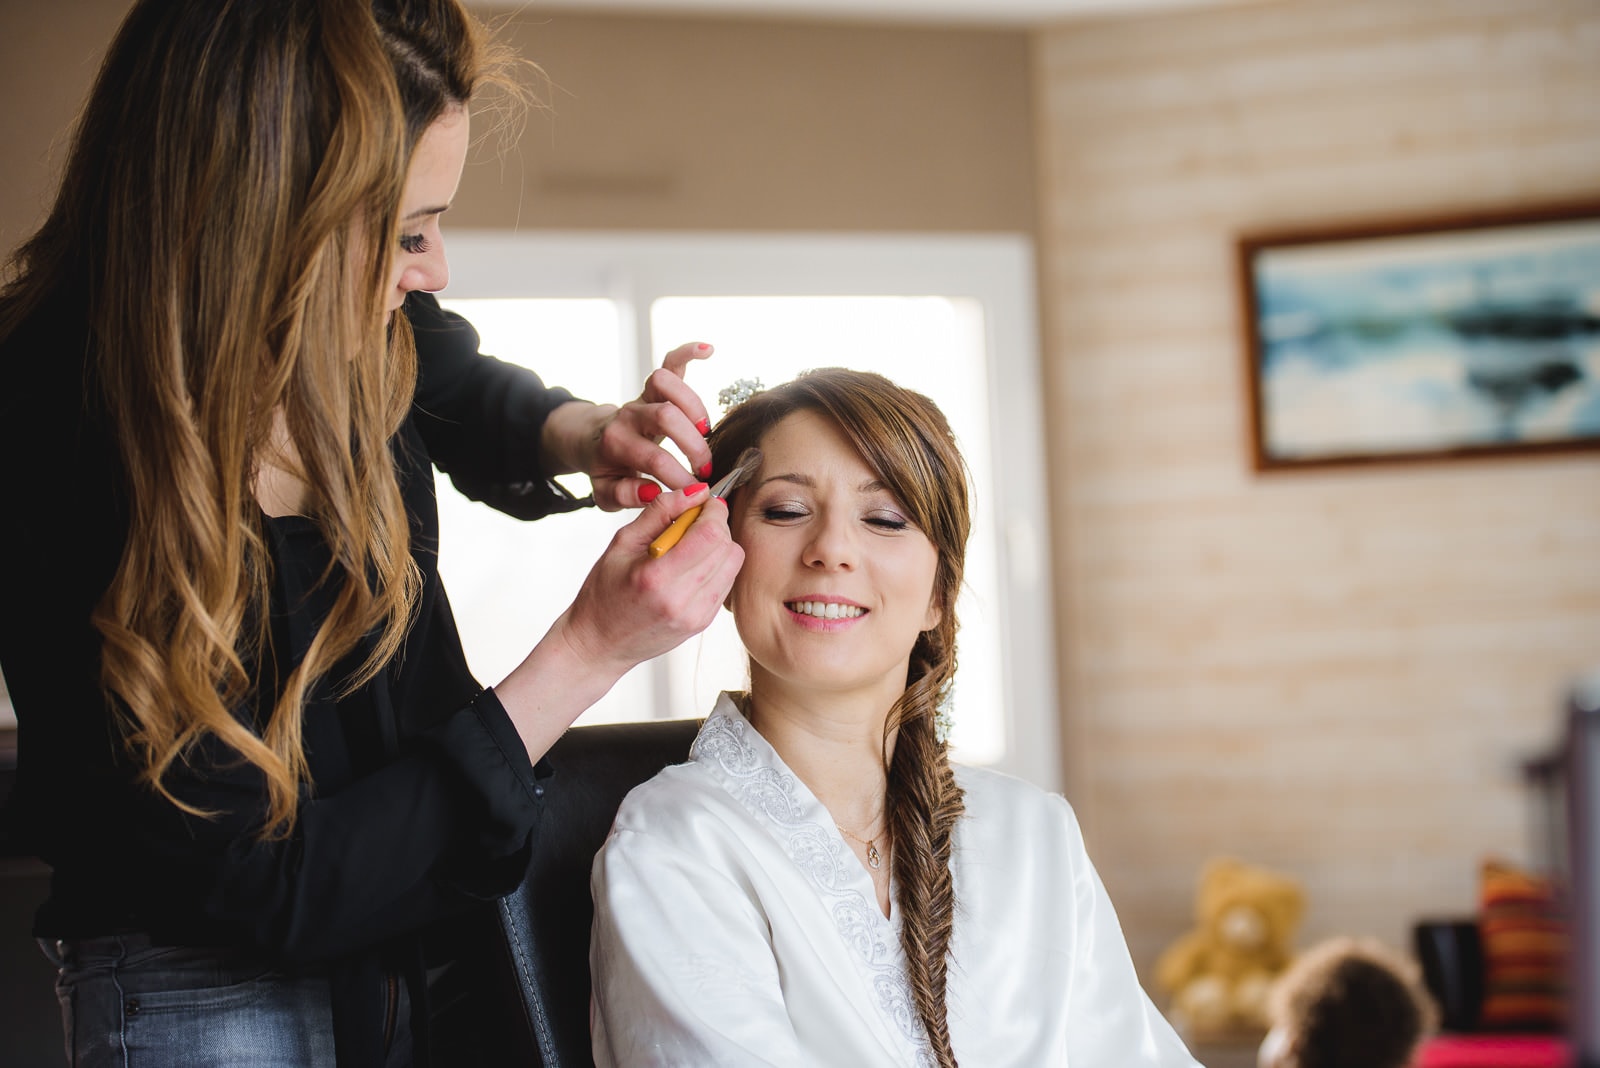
1347, 1003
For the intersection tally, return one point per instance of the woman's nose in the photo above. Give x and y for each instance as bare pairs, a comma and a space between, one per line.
832, 545
429, 271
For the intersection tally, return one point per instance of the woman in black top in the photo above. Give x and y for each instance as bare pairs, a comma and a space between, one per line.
249, 744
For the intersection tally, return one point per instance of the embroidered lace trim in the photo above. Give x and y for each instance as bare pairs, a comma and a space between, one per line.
773, 795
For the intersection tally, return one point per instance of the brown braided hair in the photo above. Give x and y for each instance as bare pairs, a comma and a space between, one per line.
907, 442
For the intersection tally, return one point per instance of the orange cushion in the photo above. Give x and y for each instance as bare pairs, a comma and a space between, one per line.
1524, 936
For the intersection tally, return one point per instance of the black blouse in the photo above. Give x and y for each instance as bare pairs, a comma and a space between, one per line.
422, 798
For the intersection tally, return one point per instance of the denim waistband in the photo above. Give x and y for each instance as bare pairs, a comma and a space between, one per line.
75, 950
132, 946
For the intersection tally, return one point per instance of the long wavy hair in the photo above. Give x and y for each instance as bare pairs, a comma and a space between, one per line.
227, 212
905, 439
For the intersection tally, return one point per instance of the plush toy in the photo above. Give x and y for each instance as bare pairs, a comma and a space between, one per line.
1219, 974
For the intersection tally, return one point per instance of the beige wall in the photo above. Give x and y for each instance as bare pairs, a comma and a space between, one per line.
1333, 674
48, 56
663, 124
720, 125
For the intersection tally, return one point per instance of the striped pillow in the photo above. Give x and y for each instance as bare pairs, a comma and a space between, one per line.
1524, 950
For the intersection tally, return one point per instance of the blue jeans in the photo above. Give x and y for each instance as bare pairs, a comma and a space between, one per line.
129, 1004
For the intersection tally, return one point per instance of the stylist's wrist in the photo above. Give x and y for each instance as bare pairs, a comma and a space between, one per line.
560, 678
570, 439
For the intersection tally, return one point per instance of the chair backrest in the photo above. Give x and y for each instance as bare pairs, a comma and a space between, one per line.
527, 1001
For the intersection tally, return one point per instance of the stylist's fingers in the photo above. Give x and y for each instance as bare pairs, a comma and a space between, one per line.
708, 562
669, 384
712, 542
678, 359
703, 555
644, 491
658, 514
629, 452
635, 606
678, 419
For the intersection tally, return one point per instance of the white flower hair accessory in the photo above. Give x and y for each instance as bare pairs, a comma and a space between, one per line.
737, 392
944, 714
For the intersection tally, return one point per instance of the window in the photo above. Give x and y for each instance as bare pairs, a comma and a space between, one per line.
949, 316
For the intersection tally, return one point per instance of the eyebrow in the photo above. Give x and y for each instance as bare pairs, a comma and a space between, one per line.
421, 213
872, 485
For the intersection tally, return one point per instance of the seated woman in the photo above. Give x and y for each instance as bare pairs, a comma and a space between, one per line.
819, 885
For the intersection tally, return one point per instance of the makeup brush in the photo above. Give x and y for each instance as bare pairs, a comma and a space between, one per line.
749, 460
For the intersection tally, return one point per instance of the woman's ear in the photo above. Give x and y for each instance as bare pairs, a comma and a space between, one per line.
935, 613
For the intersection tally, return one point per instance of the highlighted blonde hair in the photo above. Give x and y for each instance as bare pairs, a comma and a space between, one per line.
229, 211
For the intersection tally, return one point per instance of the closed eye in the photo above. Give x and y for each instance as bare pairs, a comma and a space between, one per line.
414, 243
781, 512
887, 522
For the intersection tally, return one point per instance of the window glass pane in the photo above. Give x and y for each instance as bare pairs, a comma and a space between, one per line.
934, 345
507, 579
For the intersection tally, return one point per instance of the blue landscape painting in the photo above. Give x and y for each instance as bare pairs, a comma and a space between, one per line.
1430, 342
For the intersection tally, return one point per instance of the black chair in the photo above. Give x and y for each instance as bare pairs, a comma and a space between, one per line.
515, 988
1451, 954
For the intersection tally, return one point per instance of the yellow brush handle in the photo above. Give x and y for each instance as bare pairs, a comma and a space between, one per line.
669, 537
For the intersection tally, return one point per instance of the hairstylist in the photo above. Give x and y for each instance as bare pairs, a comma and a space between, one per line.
250, 747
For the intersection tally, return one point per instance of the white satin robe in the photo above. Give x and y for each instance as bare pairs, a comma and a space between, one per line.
734, 927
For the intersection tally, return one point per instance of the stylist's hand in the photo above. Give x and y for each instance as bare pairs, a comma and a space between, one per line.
617, 447
631, 607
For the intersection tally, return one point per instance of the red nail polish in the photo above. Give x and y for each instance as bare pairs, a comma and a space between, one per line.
649, 492
705, 470
690, 491
702, 347
704, 426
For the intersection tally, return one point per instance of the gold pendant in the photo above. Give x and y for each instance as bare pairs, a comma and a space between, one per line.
874, 858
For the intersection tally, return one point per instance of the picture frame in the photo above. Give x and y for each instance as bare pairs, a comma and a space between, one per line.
1423, 339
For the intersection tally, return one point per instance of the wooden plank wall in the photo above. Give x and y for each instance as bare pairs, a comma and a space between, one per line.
1333, 674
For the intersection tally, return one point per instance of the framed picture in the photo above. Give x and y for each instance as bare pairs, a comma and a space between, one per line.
1426, 339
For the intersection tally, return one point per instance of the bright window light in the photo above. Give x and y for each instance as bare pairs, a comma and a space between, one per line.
934, 345
949, 316
508, 580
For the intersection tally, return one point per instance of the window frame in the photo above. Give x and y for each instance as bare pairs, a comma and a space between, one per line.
997, 270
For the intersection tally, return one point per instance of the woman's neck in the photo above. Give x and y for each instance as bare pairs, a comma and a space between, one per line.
279, 489
835, 744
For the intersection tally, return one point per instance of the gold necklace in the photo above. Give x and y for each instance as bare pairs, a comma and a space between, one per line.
874, 858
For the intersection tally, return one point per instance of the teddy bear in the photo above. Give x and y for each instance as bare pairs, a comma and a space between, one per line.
1219, 974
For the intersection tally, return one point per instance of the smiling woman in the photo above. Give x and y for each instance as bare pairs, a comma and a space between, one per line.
820, 884
837, 582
